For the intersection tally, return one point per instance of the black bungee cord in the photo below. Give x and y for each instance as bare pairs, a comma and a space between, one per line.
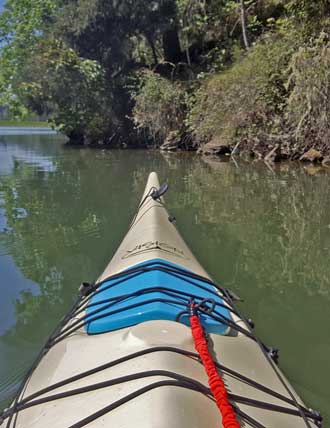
206, 306
180, 381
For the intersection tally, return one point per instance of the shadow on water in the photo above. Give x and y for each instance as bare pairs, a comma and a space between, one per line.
264, 232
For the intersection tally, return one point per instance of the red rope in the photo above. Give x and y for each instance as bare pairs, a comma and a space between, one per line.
216, 384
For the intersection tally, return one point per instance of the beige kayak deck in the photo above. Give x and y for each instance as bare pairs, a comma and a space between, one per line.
152, 236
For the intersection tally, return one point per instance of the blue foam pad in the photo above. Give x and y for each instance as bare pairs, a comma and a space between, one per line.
113, 315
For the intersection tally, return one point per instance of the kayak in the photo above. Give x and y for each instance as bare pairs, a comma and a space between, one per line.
155, 342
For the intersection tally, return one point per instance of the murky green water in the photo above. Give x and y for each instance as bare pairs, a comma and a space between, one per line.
263, 233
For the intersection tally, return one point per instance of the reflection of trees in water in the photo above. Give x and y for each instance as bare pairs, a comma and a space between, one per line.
67, 228
270, 227
64, 224
281, 221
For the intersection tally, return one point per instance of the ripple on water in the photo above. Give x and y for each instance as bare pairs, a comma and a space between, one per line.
11, 377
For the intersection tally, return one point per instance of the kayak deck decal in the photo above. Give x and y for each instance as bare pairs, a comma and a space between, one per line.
154, 245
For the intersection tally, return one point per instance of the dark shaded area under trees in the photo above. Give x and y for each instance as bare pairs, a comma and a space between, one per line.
214, 75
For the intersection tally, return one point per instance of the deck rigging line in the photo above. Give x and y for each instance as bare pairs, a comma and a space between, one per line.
202, 305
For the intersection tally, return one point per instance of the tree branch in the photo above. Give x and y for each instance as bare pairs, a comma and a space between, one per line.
243, 24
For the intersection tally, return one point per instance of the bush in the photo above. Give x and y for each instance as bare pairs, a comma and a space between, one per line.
160, 106
308, 110
72, 90
247, 100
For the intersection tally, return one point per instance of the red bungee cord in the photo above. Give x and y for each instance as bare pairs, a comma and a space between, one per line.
216, 384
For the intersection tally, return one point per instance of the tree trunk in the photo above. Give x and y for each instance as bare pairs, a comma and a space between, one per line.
171, 46
243, 24
153, 48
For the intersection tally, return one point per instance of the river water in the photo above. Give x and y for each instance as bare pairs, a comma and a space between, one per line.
262, 232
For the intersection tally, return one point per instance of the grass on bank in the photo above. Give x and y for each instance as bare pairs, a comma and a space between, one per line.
25, 124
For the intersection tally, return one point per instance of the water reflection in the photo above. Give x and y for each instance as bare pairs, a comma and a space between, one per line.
280, 217
24, 130
265, 232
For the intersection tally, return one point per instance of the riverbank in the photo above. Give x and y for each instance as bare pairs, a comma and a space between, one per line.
271, 103
270, 153
215, 149
25, 124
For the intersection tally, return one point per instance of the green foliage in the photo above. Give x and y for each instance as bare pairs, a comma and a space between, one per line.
111, 31
71, 89
22, 26
308, 105
247, 98
306, 10
74, 60
159, 105
28, 123
23, 22
193, 18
